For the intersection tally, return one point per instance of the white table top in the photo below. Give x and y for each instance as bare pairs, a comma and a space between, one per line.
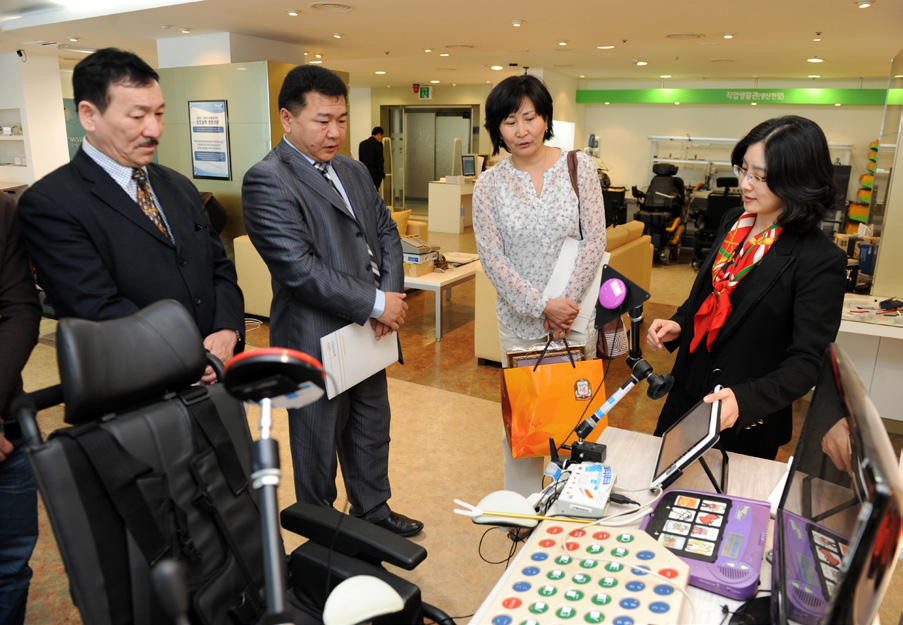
439, 280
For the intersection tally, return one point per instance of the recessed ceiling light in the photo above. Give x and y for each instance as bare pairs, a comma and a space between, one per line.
72, 39
314, 62
814, 76
727, 35
292, 12
862, 4
582, 75
604, 47
427, 49
638, 62
319, 56
665, 76
379, 72
607, 103
335, 7
562, 42
837, 104
337, 35
164, 26
817, 37
435, 82
496, 67
517, 23
677, 104
754, 103
241, 69
186, 30
815, 59
444, 54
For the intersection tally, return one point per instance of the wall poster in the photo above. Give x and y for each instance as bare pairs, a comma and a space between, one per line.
208, 127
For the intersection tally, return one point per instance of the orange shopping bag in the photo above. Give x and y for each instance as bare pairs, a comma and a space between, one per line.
549, 401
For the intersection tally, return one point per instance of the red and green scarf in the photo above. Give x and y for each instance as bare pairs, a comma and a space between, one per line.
727, 273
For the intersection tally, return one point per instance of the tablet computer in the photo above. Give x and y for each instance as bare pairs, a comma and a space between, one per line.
685, 441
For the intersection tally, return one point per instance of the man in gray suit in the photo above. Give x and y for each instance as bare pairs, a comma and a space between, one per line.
335, 257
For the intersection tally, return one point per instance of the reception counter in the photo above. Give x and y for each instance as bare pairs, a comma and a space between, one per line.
450, 206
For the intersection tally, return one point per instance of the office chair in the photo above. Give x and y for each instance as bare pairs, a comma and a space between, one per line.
661, 209
153, 468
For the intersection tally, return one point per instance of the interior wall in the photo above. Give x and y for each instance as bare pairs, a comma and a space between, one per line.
359, 114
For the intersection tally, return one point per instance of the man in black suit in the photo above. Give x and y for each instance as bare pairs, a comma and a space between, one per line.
370, 153
335, 256
112, 232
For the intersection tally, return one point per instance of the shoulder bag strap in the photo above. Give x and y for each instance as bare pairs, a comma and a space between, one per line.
572, 170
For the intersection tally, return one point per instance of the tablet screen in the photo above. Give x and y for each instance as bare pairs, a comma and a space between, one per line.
696, 430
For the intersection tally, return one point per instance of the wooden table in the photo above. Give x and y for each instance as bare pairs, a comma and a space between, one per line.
437, 281
632, 457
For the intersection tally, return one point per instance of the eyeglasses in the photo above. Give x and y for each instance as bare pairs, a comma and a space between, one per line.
744, 173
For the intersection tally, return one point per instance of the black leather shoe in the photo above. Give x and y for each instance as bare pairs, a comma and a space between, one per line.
400, 524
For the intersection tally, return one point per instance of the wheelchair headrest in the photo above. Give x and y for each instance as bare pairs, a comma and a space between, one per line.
664, 169
108, 365
727, 182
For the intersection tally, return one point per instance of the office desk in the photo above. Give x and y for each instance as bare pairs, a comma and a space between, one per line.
450, 207
632, 456
437, 281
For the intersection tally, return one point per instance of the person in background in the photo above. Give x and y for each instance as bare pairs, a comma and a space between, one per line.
335, 256
370, 153
20, 318
112, 232
767, 301
524, 208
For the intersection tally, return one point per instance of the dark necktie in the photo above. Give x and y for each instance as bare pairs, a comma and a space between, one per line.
146, 201
321, 167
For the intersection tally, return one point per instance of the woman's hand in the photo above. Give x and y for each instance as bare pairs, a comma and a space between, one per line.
730, 411
836, 444
660, 332
560, 314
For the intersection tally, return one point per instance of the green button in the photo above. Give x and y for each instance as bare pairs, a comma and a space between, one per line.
555, 574
608, 582
614, 567
620, 552
625, 538
588, 564
594, 616
539, 607
573, 594
600, 598
566, 612
563, 559
548, 590
580, 578
594, 548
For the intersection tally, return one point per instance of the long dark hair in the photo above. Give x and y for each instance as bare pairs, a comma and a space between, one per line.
507, 96
799, 168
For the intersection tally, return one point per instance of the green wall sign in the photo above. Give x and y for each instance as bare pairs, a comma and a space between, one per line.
864, 97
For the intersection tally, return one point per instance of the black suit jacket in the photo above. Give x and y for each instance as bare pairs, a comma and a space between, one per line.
99, 257
370, 153
785, 313
20, 312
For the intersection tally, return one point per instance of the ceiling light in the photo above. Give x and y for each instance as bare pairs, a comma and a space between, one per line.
864, 5
517, 23
444, 54
817, 36
164, 26
582, 75
186, 30
814, 76
677, 104
379, 72
319, 56
334, 7
496, 67
727, 35
815, 59
292, 12
838, 104
72, 39
754, 103
604, 47
337, 35
665, 76
562, 42
435, 82
607, 103
638, 62
427, 49
314, 62
684, 36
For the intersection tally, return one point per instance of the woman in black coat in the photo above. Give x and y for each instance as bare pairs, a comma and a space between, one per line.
767, 301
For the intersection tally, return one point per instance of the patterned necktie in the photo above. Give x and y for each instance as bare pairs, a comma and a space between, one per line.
146, 201
321, 167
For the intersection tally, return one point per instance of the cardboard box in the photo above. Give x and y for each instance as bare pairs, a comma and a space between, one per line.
419, 259
418, 269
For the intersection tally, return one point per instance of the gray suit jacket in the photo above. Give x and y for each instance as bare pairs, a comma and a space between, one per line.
315, 249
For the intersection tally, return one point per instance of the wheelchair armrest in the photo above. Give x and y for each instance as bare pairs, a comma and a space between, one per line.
354, 537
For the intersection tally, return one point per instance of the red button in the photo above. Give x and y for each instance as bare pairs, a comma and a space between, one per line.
511, 603
578, 533
601, 535
669, 573
555, 529
572, 546
546, 543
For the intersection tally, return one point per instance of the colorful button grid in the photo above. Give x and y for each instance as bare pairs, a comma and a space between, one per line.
568, 572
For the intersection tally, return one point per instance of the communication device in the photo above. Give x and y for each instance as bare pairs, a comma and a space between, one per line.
469, 165
685, 441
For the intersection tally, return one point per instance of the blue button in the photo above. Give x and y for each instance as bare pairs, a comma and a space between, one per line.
639, 572
502, 619
629, 603
622, 620
663, 589
531, 570
645, 555
659, 607
522, 586
634, 586
539, 557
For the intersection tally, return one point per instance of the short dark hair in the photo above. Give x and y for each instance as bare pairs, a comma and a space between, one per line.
304, 79
799, 166
507, 96
94, 74
377, 130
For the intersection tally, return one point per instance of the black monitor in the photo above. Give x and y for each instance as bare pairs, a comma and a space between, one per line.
837, 532
469, 165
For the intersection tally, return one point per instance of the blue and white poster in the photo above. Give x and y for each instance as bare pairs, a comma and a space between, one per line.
208, 127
